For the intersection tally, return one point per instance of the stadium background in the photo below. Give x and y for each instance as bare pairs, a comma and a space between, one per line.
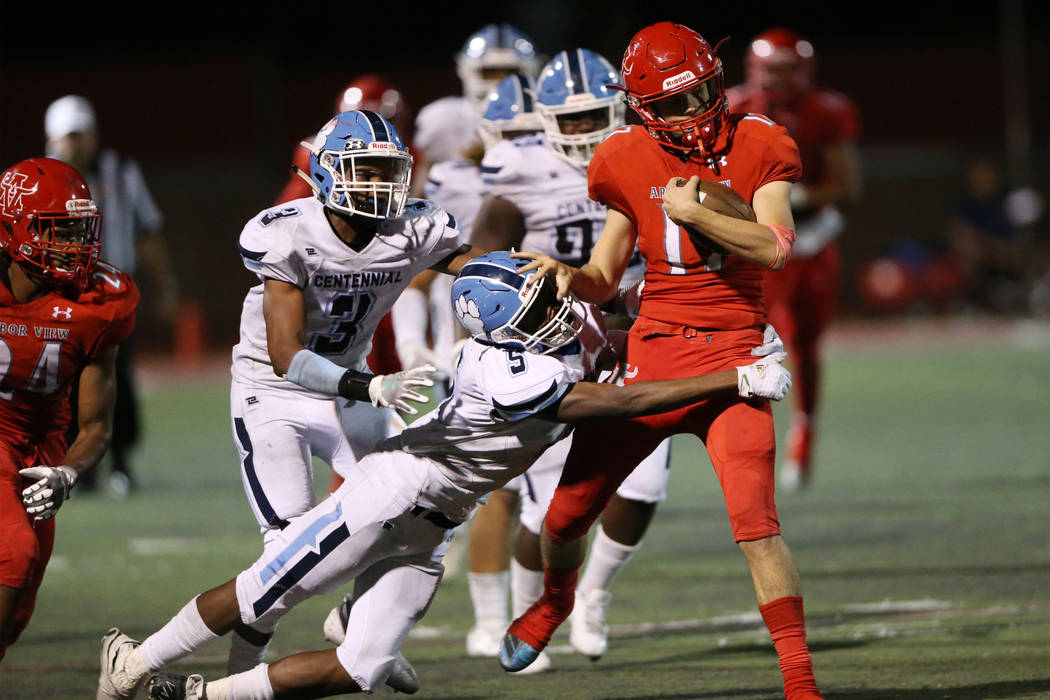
212, 100
923, 543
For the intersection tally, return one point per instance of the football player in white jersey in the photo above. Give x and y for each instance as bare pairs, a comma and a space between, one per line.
447, 173
536, 200
522, 378
330, 267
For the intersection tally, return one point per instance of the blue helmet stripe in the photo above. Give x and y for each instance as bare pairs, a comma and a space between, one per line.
379, 129
522, 87
490, 271
575, 70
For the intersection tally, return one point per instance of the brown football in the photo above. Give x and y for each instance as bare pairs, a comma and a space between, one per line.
717, 197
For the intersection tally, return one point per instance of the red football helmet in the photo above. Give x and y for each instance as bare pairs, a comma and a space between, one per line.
48, 221
673, 80
780, 64
376, 94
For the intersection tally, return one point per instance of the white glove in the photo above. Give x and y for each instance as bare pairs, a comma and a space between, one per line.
771, 342
396, 390
412, 355
52, 486
766, 378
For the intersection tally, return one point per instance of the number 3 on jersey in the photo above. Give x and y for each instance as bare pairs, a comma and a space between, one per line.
673, 234
347, 310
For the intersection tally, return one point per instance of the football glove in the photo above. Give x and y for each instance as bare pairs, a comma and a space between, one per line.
396, 390
766, 378
771, 342
52, 486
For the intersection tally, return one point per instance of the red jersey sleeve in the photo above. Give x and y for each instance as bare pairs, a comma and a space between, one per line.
115, 296
780, 160
602, 187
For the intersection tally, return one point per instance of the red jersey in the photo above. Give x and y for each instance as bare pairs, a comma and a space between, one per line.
686, 285
818, 119
297, 187
45, 343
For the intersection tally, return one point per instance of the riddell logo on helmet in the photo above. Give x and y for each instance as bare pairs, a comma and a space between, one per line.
12, 189
80, 206
382, 146
679, 79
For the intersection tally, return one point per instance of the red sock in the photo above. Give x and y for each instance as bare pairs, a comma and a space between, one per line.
787, 627
536, 626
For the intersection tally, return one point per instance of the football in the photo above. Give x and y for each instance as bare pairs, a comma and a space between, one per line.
724, 200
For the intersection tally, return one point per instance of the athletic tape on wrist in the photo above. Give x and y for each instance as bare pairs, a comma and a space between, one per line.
311, 371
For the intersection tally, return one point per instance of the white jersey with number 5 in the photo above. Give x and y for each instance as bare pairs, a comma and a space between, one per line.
492, 427
345, 292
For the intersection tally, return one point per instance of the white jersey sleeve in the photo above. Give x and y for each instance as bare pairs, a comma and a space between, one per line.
523, 384
268, 250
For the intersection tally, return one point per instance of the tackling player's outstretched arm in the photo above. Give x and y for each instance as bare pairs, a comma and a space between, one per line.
765, 378
598, 280
766, 242
96, 399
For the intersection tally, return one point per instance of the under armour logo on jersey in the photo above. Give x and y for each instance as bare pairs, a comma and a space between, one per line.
66, 313
12, 189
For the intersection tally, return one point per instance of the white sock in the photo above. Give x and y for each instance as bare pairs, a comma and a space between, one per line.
184, 634
488, 593
244, 655
605, 560
250, 685
526, 587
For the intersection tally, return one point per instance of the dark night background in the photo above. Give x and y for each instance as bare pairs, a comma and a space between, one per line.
212, 99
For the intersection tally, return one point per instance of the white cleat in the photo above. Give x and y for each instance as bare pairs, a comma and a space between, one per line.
114, 682
335, 623
486, 637
588, 633
542, 664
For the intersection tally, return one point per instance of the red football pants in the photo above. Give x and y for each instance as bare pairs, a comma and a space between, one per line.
25, 545
802, 299
738, 434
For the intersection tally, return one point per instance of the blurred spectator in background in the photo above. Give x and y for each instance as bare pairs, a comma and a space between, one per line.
131, 240
984, 237
802, 297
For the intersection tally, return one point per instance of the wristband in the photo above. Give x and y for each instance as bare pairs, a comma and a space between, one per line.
311, 371
354, 385
785, 239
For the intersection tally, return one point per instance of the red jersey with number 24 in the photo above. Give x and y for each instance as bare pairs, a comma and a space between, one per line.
45, 343
685, 283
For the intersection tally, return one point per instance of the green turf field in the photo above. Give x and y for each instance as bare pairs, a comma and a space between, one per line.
923, 545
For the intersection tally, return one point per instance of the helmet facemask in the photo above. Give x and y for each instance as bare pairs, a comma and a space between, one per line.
61, 247
370, 181
667, 114
576, 128
543, 324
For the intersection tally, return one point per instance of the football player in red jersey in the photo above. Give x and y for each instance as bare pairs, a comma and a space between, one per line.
701, 309
62, 314
802, 297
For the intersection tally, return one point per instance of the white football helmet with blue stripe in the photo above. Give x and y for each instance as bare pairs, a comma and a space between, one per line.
359, 166
577, 107
500, 306
490, 54
510, 109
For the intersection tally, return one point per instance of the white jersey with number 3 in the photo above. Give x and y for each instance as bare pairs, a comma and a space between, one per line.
345, 292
